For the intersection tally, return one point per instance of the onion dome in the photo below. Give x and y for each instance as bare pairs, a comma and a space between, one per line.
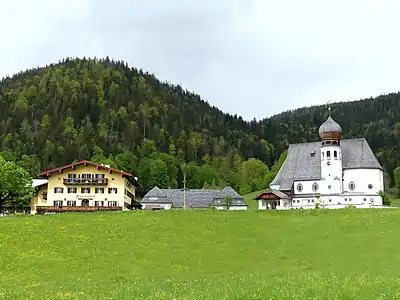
330, 130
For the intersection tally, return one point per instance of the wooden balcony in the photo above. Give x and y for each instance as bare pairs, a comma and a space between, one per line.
91, 181
59, 209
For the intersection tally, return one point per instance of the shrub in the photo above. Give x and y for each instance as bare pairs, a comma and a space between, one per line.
385, 198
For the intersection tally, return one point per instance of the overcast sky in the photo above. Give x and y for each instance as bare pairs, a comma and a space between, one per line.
254, 58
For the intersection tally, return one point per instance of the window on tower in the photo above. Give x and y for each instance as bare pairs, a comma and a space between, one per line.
328, 154
335, 154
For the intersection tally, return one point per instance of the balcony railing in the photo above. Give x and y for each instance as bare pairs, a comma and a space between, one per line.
84, 181
57, 209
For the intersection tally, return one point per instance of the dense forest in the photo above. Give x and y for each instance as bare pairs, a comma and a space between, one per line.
108, 112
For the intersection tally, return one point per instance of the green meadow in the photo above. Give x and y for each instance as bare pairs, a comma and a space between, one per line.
318, 254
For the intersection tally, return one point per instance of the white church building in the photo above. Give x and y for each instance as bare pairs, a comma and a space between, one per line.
332, 173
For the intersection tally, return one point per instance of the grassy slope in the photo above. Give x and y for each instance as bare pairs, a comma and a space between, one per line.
249, 199
344, 254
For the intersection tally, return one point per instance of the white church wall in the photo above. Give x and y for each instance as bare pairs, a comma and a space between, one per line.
328, 186
305, 203
369, 181
331, 186
306, 187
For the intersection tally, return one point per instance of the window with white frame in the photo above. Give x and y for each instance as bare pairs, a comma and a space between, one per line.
72, 190
352, 186
315, 187
112, 190
58, 203
299, 187
99, 190
98, 203
112, 203
71, 203
71, 176
85, 190
99, 176
58, 190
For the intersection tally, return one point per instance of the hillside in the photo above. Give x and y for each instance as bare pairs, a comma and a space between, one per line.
108, 112
318, 254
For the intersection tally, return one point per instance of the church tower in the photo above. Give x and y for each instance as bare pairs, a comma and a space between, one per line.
331, 156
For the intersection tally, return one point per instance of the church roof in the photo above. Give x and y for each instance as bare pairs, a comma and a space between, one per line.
303, 161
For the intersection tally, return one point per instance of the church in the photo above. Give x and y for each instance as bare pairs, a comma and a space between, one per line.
331, 173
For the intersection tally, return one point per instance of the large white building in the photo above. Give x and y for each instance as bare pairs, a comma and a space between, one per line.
332, 173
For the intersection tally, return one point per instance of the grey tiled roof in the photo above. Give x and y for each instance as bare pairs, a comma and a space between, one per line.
300, 165
228, 191
195, 198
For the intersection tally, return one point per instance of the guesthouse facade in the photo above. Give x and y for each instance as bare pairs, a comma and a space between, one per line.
84, 186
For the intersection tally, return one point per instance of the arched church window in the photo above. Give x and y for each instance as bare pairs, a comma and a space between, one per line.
322, 155
315, 187
352, 186
328, 154
299, 187
335, 154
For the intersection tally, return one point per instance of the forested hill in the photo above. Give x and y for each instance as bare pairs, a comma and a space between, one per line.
107, 112
101, 109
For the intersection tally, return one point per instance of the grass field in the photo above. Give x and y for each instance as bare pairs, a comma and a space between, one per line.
249, 199
318, 254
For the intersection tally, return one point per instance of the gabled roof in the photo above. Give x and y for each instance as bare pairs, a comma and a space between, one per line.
277, 193
300, 165
195, 198
228, 191
84, 162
